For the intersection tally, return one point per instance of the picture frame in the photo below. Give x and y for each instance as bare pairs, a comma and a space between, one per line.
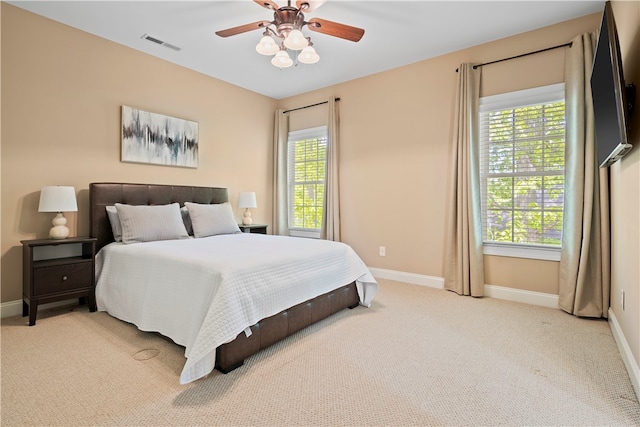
157, 139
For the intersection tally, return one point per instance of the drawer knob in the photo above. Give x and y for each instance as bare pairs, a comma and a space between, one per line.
64, 278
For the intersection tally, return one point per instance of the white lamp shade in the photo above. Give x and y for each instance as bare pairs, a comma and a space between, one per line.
282, 59
296, 40
247, 200
58, 199
267, 46
308, 56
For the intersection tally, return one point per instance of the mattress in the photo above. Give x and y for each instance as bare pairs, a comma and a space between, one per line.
203, 292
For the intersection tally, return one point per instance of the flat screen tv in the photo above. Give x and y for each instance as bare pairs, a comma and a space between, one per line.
612, 99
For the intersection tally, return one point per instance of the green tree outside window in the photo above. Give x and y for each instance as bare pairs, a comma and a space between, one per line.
522, 173
307, 167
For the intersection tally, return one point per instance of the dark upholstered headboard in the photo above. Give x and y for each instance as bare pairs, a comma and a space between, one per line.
102, 194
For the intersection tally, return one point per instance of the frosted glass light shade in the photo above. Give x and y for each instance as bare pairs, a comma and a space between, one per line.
296, 40
282, 60
308, 56
267, 46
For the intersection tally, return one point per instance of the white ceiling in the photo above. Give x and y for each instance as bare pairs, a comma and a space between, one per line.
397, 33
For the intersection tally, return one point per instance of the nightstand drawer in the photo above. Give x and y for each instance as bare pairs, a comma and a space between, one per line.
61, 278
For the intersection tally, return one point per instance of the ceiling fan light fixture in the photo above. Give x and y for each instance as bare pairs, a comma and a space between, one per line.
267, 46
295, 40
282, 60
308, 56
284, 32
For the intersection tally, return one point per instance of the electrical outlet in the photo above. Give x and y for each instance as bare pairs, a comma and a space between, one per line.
622, 300
383, 251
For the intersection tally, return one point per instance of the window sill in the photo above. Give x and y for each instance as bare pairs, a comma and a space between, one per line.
311, 234
516, 250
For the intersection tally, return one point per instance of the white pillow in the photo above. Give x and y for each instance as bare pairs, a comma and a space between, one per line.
209, 220
114, 219
116, 227
148, 223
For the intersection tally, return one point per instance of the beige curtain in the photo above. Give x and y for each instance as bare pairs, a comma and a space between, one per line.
464, 265
280, 206
585, 260
330, 229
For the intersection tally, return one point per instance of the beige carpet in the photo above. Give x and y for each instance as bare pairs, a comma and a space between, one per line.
418, 356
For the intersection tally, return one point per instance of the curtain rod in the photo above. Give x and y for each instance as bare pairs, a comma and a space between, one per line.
521, 55
307, 106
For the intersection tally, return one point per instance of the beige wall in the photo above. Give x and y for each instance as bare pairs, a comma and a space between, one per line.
395, 133
625, 191
61, 95
396, 126
62, 90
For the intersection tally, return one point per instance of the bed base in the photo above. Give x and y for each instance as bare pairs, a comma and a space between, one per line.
272, 329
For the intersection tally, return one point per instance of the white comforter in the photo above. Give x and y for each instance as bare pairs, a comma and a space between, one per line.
203, 292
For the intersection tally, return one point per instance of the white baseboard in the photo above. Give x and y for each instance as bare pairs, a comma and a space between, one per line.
492, 291
14, 308
412, 278
519, 295
11, 308
625, 351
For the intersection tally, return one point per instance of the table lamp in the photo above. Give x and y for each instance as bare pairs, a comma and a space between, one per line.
247, 200
58, 199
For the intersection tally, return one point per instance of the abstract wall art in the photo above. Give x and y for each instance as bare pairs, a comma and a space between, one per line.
158, 139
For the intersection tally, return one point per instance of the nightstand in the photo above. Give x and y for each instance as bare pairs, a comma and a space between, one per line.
253, 228
55, 270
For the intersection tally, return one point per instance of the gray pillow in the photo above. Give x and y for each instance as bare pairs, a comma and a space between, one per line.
149, 223
187, 220
210, 220
116, 228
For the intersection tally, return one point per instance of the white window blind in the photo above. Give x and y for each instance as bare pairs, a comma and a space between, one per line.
522, 143
307, 158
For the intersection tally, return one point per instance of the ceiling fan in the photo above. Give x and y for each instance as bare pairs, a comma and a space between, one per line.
286, 27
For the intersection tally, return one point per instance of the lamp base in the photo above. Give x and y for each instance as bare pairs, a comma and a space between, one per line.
59, 229
246, 217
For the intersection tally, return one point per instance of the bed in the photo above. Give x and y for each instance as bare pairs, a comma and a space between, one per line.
223, 296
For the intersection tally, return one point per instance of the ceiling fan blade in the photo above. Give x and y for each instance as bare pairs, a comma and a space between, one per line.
308, 5
267, 4
242, 28
335, 29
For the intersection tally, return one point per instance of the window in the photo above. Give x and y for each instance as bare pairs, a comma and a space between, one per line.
307, 159
522, 140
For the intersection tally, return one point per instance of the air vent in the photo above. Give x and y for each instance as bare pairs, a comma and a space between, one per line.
160, 42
